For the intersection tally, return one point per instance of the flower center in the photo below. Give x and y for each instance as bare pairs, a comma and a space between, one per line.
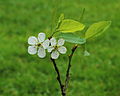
39, 44
56, 47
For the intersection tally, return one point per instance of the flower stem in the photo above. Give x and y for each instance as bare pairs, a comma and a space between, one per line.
70, 59
69, 66
59, 78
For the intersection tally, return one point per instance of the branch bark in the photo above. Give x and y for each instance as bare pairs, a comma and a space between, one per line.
69, 67
59, 78
64, 87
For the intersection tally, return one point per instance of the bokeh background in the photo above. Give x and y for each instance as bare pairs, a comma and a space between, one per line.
22, 74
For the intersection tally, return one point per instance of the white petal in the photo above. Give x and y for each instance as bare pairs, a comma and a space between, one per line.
53, 41
55, 54
61, 42
32, 49
62, 49
50, 48
41, 37
41, 52
32, 40
46, 43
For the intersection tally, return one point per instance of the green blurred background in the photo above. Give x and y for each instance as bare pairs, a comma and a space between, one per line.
22, 74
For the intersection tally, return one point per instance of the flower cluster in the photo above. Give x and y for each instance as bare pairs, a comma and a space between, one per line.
40, 44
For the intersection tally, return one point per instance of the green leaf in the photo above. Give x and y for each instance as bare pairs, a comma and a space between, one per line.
70, 37
61, 18
97, 29
86, 53
69, 25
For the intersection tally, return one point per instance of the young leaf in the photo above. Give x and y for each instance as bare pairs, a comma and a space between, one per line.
61, 18
97, 29
86, 53
70, 37
69, 25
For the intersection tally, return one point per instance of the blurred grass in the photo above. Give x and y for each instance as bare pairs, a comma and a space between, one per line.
24, 75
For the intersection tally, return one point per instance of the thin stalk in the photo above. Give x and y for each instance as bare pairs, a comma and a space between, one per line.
82, 15
69, 67
70, 59
59, 78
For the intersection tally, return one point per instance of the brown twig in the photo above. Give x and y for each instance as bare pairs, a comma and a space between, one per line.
59, 78
62, 86
69, 66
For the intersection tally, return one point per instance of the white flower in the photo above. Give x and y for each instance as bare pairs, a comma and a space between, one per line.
56, 48
38, 45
